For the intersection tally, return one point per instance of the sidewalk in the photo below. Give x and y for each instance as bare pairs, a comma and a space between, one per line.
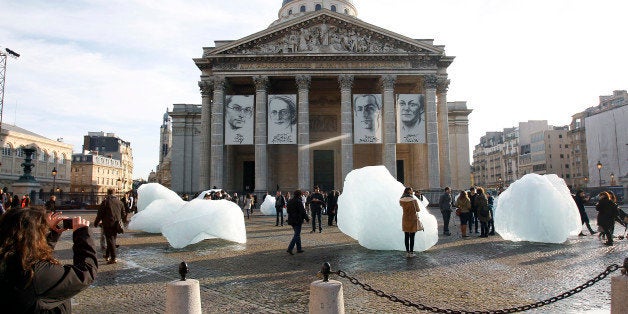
260, 277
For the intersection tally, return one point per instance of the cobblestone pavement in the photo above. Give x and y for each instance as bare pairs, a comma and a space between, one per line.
260, 277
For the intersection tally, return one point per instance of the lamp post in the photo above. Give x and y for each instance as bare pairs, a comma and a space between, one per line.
586, 181
612, 178
54, 179
500, 182
599, 171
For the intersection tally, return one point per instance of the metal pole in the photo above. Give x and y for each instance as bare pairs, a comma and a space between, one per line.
599, 173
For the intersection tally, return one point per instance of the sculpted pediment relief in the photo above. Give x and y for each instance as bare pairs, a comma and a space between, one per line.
323, 34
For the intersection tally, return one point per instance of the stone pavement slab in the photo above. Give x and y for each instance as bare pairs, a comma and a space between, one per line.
260, 277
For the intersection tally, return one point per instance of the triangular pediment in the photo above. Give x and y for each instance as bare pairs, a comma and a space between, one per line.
325, 32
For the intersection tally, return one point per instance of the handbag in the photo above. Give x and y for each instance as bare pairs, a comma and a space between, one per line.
458, 211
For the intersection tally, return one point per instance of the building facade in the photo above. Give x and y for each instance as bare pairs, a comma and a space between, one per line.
163, 175
110, 146
93, 175
318, 94
49, 155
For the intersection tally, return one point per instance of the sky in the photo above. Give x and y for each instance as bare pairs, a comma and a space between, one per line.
118, 65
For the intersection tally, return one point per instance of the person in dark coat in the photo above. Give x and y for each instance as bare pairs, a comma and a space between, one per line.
280, 204
607, 212
483, 211
296, 215
580, 200
474, 211
110, 214
51, 204
31, 279
332, 207
445, 204
317, 203
16, 203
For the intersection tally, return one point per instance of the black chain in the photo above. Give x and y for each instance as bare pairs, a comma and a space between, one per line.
522, 308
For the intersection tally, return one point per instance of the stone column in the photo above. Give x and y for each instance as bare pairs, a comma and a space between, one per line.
389, 139
217, 136
261, 134
433, 161
346, 125
303, 131
207, 88
443, 131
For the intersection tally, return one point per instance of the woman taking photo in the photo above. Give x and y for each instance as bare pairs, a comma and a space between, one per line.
410, 222
31, 279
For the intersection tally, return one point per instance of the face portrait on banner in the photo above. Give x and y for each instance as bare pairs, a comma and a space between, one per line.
282, 119
411, 118
239, 119
367, 118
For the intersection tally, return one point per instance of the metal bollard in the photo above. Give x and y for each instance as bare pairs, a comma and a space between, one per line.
619, 291
326, 295
183, 296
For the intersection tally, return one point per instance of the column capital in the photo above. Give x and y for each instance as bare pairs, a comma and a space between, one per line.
220, 82
388, 81
303, 81
431, 81
442, 84
345, 81
261, 82
207, 87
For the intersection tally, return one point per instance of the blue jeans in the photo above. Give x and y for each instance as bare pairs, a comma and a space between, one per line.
296, 238
316, 214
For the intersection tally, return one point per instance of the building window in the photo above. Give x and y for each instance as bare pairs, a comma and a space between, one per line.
318, 7
333, 8
290, 12
6, 150
562, 156
560, 136
346, 11
302, 8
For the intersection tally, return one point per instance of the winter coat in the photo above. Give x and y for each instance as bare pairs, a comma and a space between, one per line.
332, 204
52, 285
445, 201
481, 203
296, 212
607, 211
464, 204
110, 212
580, 203
410, 220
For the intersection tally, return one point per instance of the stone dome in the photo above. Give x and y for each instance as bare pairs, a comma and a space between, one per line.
294, 8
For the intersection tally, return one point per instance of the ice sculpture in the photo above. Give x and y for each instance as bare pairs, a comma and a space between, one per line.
369, 211
184, 223
268, 206
537, 208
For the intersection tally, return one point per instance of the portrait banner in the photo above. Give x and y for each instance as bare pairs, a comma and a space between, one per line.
367, 118
282, 119
411, 127
239, 110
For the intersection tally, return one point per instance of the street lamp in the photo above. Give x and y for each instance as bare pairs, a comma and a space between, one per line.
54, 179
500, 182
612, 178
599, 171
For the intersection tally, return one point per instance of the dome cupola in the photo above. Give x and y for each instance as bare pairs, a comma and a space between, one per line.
294, 8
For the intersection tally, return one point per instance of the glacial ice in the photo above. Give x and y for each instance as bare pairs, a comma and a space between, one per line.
184, 223
369, 211
537, 208
268, 207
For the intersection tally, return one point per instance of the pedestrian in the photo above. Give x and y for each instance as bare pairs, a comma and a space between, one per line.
332, 207
445, 203
280, 204
491, 222
580, 198
33, 281
235, 198
51, 204
473, 221
296, 215
463, 203
410, 222
484, 214
607, 212
248, 205
110, 214
16, 203
26, 201
317, 202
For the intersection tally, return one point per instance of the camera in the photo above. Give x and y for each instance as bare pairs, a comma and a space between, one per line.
67, 223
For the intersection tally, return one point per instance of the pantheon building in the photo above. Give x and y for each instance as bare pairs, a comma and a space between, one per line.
314, 96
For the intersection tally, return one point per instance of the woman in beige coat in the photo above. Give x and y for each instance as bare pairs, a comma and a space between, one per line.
410, 222
463, 203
